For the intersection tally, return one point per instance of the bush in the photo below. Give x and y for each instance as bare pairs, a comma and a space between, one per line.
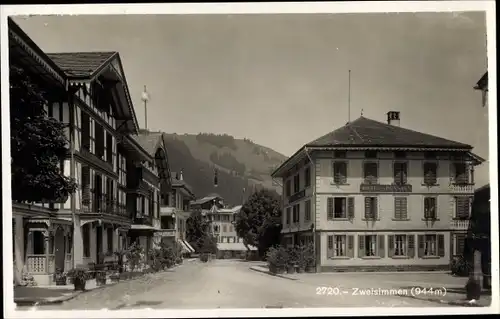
460, 266
293, 256
277, 258
135, 256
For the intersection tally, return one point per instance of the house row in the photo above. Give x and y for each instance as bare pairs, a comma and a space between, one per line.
376, 196
126, 192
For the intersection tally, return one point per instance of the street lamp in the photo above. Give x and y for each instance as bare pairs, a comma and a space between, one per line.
145, 99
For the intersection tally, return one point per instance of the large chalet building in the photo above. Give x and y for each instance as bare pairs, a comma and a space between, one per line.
376, 196
121, 177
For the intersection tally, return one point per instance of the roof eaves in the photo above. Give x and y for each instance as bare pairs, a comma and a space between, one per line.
16, 29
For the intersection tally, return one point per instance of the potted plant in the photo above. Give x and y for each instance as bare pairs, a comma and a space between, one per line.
79, 277
291, 260
60, 277
301, 260
309, 258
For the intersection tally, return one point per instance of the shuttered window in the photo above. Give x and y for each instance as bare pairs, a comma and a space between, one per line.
462, 207
400, 245
371, 207
85, 185
430, 208
411, 246
430, 173
400, 208
400, 173
370, 173
350, 246
340, 172
460, 243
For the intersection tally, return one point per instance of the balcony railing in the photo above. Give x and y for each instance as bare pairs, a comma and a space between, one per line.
103, 203
167, 232
462, 188
38, 264
462, 224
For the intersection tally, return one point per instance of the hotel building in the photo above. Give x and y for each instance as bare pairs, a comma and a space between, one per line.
117, 178
376, 196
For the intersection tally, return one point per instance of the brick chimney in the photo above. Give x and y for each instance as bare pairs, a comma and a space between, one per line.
393, 118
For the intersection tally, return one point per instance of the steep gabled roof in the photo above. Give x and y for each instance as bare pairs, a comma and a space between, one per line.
83, 67
81, 64
367, 132
150, 142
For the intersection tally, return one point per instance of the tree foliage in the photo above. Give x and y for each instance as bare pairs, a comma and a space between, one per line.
38, 144
259, 221
198, 233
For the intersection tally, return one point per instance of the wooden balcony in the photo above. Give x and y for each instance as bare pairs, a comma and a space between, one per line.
103, 203
460, 224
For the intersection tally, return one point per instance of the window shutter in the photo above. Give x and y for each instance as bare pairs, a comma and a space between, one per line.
361, 246
350, 207
411, 246
391, 246
375, 208
329, 208
367, 207
350, 246
420, 246
404, 208
404, 172
381, 245
330, 247
441, 245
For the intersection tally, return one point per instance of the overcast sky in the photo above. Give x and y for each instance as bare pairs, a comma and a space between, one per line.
282, 80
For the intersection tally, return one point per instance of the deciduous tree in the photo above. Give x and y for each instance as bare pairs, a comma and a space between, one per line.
259, 221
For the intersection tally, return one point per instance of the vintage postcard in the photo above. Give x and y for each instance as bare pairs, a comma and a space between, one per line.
249, 159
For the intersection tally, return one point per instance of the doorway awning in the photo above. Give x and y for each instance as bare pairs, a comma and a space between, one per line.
142, 227
189, 246
185, 248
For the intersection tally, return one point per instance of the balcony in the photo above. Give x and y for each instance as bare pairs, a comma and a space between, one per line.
39, 264
460, 224
462, 188
167, 232
102, 203
167, 210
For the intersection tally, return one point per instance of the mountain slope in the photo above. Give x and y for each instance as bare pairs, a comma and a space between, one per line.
241, 164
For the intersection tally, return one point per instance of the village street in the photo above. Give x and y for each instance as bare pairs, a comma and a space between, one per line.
232, 284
